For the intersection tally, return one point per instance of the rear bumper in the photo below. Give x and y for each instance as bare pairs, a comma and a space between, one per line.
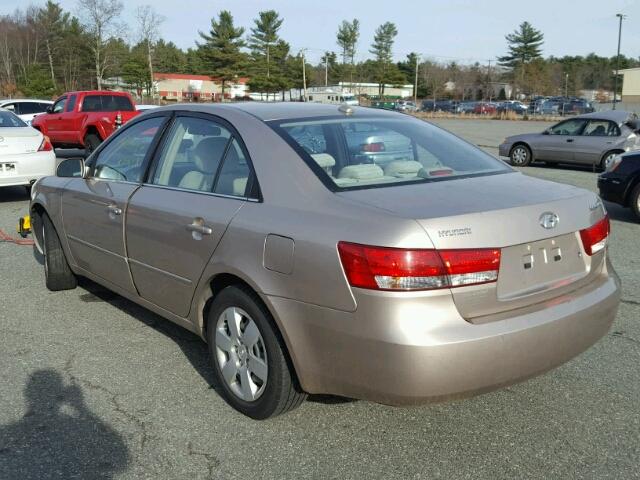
399, 350
25, 169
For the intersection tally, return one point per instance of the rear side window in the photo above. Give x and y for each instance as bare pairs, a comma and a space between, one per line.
29, 108
8, 119
106, 103
371, 152
601, 128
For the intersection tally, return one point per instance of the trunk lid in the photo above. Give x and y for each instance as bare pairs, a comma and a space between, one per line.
19, 140
503, 211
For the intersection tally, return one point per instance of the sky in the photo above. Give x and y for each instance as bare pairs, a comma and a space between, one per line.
462, 30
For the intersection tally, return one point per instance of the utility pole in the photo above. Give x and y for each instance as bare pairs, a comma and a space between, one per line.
489, 89
415, 82
304, 76
326, 69
615, 80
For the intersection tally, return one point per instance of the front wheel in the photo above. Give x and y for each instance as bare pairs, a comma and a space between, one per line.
520, 156
249, 359
57, 273
634, 201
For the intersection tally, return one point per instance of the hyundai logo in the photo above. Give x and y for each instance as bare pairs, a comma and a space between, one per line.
549, 220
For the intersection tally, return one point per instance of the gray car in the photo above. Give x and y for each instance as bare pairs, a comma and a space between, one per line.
308, 267
590, 139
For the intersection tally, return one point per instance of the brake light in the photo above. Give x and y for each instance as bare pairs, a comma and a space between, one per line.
595, 237
374, 147
383, 268
46, 145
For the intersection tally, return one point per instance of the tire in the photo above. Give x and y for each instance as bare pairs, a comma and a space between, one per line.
607, 157
634, 201
520, 155
58, 275
261, 383
91, 142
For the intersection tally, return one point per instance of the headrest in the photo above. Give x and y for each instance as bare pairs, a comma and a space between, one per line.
365, 171
402, 168
323, 159
208, 153
203, 128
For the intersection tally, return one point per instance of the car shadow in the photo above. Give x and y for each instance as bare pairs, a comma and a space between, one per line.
14, 194
620, 213
566, 166
59, 435
193, 347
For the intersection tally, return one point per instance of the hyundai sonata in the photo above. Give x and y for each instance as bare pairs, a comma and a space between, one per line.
309, 267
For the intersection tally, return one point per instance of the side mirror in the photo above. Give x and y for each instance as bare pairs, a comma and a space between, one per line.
71, 168
49, 109
547, 131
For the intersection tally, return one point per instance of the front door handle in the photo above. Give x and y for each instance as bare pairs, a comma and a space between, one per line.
114, 210
198, 228
569, 140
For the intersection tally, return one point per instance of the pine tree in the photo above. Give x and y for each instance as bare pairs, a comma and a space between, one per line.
222, 49
524, 46
382, 48
347, 39
264, 37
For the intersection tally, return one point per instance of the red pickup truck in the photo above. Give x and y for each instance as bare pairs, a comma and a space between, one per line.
85, 119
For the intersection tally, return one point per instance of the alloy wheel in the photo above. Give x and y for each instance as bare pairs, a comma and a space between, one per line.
241, 354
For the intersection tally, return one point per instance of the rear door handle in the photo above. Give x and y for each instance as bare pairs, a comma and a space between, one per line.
114, 210
198, 228
569, 140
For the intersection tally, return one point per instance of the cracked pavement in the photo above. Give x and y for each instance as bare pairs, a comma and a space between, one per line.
94, 386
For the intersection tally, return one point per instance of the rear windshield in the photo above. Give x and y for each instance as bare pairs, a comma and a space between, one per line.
350, 153
106, 103
8, 119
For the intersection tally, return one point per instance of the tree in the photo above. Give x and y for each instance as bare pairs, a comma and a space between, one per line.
222, 49
35, 82
149, 24
169, 58
100, 18
347, 39
382, 49
52, 21
264, 36
524, 46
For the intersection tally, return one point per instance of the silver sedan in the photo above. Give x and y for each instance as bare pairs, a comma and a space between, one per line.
590, 139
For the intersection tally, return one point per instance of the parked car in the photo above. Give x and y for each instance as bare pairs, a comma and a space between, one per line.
26, 109
25, 154
406, 106
485, 108
512, 106
465, 107
544, 106
590, 139
438, 106
620, 183
309, 269
384, 104
576, 106
85, 119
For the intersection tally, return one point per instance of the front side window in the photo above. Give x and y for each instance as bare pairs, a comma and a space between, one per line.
123, 158
568, 127
352, 153
601, 128
71, 103
58, 107
192, 153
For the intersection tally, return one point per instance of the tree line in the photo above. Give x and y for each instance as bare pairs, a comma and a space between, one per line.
46, 50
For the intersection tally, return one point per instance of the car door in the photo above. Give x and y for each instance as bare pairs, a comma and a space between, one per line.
558, 143
94, 207
53, 119
67, 121
199, 181
598, 137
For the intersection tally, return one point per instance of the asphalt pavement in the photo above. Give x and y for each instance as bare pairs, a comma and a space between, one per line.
94, 386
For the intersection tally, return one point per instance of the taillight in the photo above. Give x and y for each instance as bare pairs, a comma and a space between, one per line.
383, 268
595, 237
373, 147
45, 146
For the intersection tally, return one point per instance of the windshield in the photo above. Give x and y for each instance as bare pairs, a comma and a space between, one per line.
350, 153
8, 119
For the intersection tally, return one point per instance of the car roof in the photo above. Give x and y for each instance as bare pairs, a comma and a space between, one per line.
618, 116
30, 100
267, 111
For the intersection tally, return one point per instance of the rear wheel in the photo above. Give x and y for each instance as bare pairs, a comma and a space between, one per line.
249, 359
91, 142
607, 158
58, 275
634, 201
520, 156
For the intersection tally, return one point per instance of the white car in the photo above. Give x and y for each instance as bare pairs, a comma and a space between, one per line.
26, 155
26, 108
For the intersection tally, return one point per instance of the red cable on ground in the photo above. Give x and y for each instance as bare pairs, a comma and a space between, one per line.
18, 241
